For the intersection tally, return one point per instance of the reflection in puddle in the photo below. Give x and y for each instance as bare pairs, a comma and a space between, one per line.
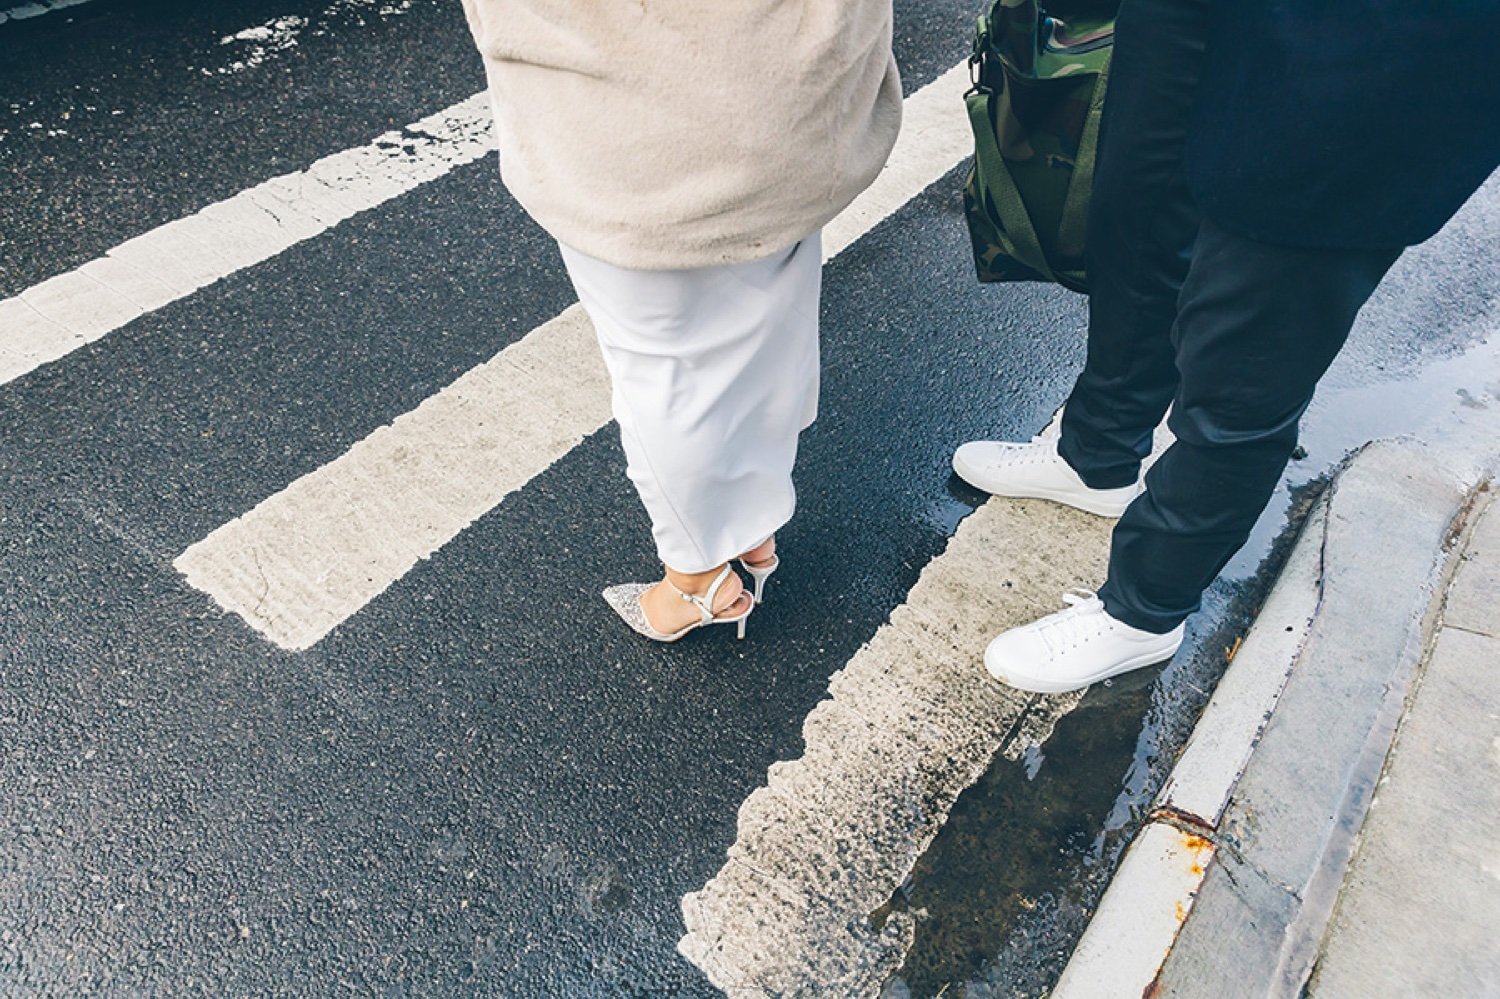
1018, 835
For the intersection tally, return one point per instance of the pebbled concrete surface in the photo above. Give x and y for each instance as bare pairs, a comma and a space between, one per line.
1419, 905
1421, 900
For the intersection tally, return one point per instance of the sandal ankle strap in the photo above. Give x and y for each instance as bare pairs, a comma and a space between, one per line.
705, 603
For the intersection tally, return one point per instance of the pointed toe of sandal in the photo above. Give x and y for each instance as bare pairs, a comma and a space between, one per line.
625, 600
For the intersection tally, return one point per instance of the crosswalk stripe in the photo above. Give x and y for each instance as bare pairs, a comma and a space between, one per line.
25, 11
310, 556
61, 314
910, 722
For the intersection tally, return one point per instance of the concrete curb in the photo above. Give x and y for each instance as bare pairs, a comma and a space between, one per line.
1256, 824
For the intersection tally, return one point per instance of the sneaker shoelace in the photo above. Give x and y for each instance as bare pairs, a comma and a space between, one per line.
1067, 629
1035, 456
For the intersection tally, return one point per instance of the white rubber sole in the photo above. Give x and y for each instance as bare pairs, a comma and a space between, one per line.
1088, 501
1041, 685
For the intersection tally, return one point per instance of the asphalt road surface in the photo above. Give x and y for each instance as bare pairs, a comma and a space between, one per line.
476, 782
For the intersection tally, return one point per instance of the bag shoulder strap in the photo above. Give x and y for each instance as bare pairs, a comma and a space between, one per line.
993, 178
1075, 213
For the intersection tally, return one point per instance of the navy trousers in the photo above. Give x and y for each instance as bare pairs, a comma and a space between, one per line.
1231, 333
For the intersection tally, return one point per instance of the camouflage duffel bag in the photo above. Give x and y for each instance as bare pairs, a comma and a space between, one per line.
1035, 106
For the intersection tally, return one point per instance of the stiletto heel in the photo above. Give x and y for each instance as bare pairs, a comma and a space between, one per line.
760, 573
625, 599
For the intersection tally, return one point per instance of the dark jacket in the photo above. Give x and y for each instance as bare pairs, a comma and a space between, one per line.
1342, 123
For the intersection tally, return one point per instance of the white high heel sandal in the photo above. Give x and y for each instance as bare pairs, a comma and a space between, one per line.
626, 601
761, 573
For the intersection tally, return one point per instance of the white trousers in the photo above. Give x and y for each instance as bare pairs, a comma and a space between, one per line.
715, 373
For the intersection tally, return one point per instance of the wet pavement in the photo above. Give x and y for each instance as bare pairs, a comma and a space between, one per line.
478, 784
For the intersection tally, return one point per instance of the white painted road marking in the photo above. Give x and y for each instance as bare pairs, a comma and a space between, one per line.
304, 560
25, 11
1164, 869
50, 320
912, 720
309, 557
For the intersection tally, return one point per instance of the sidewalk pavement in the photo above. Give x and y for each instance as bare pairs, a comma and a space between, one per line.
1331, 827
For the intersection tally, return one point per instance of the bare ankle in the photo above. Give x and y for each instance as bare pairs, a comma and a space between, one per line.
695, 583
761, 553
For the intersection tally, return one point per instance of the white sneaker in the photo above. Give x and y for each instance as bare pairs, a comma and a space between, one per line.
1036, 471
1075, 647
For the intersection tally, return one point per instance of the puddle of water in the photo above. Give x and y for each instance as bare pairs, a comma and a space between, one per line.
1013, 838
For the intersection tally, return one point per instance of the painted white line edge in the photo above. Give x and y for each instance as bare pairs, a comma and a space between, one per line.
26, 11
1163, 869
307, 558
52, 319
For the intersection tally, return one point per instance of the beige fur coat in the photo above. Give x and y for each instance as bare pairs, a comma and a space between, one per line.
666, 134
